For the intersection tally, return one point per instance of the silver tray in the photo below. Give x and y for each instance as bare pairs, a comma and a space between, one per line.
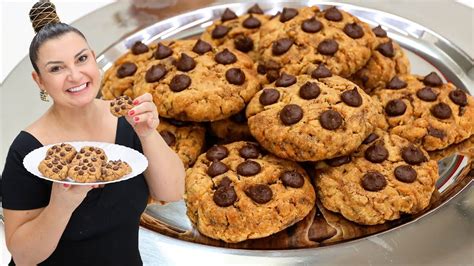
442, 235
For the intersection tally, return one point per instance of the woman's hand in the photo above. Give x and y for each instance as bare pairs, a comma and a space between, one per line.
69, 196
144, 116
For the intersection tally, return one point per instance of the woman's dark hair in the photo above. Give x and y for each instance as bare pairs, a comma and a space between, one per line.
47, 26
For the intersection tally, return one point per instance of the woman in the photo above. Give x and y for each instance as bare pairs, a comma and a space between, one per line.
55, 224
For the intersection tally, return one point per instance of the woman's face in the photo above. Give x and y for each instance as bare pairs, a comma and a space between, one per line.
68, 70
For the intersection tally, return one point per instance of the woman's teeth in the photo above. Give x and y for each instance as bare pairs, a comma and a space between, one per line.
79, 88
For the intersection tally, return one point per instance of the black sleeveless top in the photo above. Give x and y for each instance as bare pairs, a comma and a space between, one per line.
103, 230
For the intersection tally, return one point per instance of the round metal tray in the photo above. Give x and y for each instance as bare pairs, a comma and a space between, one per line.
442, 235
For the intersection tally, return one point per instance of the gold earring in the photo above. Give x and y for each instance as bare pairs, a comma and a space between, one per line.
44, 96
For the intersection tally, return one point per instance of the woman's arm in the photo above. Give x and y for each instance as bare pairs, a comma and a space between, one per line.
32, 235
165, 172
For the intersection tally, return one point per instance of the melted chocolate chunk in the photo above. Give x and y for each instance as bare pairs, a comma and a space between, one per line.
255, 9
396, 84
281, 46
395, 108
217, 168
328, 47
225, 196
441, 111
352, 98
155, 73
310, 90
458, 97
287, 14
291, 114
251, 23
311, 25
235, 76
162, 51
180, 82
127, 69
248, 168
373, 181
243, 44
333, 14
386, 49
139, 48
427, 94
185, 63
201, 47
321, 72
219, 31
217, 153
376, 153
379, 32
405, 173
370, 138
330, 120
168, 137
225, 57
413, 155
432, 79
353, 30
338, 161
285, 80
269, 96
228, 15
292, 179
259, 193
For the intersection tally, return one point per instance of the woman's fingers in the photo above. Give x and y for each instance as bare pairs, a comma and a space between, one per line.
143, 98
142, 108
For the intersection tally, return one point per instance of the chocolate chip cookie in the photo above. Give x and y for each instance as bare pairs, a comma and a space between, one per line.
89, 154
113, 170
194, 81
121, 105
119, 79
427, 111
53, 167
310, 119
387, 61
63, 151
238, 32
234, 193
185, 138
232, 129
84, 172
386, 176
297, 38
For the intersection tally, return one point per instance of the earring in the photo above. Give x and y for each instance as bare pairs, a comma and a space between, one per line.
44, 96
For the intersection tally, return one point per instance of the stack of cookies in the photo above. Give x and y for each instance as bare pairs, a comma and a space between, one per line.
306, 85
89, 165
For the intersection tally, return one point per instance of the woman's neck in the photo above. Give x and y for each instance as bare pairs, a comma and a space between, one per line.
76, 119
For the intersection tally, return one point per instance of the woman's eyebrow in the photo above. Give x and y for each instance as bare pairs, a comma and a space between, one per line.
59, 62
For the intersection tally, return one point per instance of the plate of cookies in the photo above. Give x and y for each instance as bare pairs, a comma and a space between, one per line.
85, 163
317, 124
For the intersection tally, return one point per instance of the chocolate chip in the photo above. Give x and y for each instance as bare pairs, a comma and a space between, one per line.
396, 84
251, 23
333, 14
224, 196
235, 76
92, 169
225, 57
330, 120
310, 90
432, 79
219, 31
239, 117
139, 48
285, 80
56, 170
376, 153
168, 137
373, 181
395, 107
441, 111
255, 9
216, 168
126, 69
328, 47
352, 98
68, 148
458, 97
379, 32
281, 46
155, 73
272, 75
201, 47
427, 94
438, 133
288, 14
413, 155
217, 152
269, 96
162, 51
62, 154
185, 63
311, 25
49, 165
249, 151
259, 193
180, 82
248, 168
291, 114
177, 123
405, 173
292, 179
93, 159
370, 138
243, 43
321, 72
225, 182
261, 69
338, 161
386, 49
353, 30
228, 15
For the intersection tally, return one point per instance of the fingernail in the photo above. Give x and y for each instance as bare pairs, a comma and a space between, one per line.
136, 118
135, 102
66, 185
131, 112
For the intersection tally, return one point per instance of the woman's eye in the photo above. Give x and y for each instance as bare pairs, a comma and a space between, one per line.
55, 69
82, 58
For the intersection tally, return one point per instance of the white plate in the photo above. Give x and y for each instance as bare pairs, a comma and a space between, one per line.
135, 159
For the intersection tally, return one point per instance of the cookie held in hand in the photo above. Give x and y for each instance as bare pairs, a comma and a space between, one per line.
121, 105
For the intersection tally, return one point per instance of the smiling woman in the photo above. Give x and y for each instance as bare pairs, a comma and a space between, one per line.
55, 224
